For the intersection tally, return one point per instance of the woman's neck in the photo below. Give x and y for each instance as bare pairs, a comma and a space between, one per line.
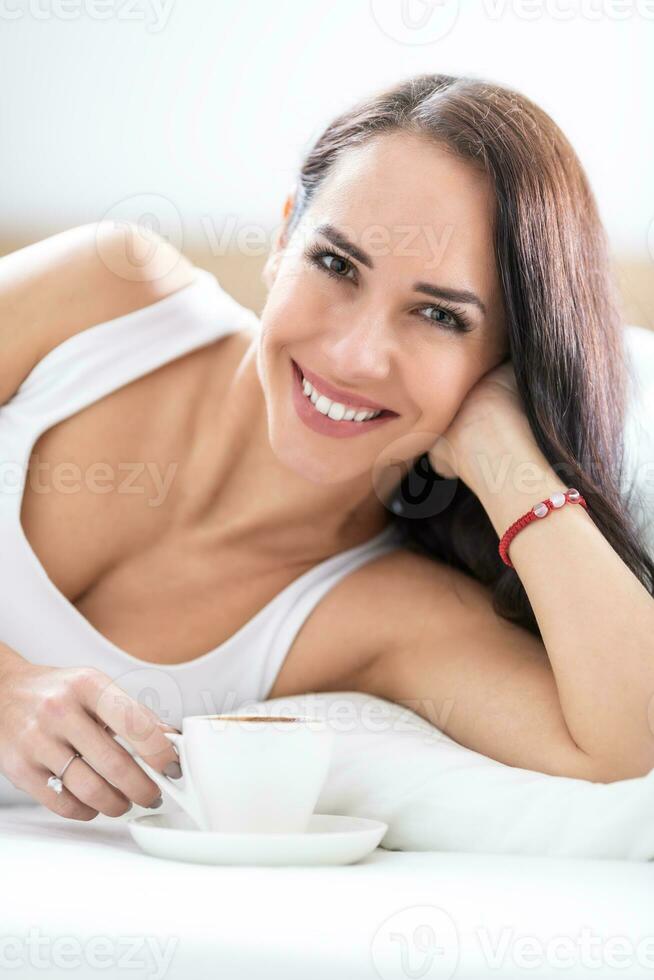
242, 491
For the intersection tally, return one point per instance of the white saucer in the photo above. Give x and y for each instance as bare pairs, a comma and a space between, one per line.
329, 839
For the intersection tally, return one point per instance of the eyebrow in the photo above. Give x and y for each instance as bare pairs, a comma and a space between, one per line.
337, 238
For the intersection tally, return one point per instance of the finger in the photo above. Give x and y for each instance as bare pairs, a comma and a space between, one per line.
162, 724
131, 721
109, 759
34, 781
82, 781
169, 728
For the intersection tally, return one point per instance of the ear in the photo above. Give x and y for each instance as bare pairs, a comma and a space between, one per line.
269, 273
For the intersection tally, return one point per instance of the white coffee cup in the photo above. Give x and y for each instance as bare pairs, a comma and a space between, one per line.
248, 773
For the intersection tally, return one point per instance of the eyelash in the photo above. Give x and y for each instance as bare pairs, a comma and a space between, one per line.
316, 253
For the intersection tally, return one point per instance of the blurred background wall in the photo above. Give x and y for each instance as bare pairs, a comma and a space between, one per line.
193, 115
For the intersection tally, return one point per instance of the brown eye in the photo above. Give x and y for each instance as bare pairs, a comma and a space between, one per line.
338, 266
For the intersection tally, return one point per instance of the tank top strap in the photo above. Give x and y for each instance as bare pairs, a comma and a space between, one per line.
294, 604
104, 357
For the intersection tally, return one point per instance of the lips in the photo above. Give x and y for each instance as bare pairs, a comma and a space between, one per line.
337, 395
323, 424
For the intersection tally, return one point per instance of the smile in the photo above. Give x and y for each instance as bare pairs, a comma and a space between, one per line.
328, 416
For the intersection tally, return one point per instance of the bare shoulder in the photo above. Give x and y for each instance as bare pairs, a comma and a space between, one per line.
437, 610
73, 280
356, 627
415, 584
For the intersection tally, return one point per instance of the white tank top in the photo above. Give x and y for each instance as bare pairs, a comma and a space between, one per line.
38, 621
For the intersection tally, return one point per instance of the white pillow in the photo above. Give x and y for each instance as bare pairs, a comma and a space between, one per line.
435, 795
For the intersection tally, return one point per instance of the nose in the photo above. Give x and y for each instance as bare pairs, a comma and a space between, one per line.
359, 351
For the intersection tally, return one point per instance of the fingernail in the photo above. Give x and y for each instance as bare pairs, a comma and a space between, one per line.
157, 803
173, 769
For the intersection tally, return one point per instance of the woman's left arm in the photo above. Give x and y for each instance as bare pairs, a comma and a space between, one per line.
596, 618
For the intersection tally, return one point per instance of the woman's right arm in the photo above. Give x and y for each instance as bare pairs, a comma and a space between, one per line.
48, 713
50, 291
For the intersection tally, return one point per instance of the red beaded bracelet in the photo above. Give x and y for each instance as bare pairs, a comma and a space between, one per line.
542, 509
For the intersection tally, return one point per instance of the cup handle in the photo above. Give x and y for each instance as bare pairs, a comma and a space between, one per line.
184, 797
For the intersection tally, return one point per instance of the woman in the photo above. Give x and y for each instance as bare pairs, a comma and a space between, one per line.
440, 309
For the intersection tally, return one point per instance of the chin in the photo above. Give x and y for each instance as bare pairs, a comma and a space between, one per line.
311, 464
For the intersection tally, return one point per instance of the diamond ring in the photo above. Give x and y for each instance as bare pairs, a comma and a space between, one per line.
55, 782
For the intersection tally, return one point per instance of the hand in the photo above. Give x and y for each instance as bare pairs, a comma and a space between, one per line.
493, 401
47, 713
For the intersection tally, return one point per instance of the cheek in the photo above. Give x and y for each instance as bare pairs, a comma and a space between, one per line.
288, 318
439, 392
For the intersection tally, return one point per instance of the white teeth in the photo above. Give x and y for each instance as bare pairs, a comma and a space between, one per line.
335, 410
323, 405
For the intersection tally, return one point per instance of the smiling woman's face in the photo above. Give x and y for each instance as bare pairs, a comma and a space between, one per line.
402, 309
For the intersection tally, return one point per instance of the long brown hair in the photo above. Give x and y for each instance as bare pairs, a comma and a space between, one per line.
564, 328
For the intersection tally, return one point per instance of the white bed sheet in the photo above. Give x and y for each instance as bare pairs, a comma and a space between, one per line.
394, 915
